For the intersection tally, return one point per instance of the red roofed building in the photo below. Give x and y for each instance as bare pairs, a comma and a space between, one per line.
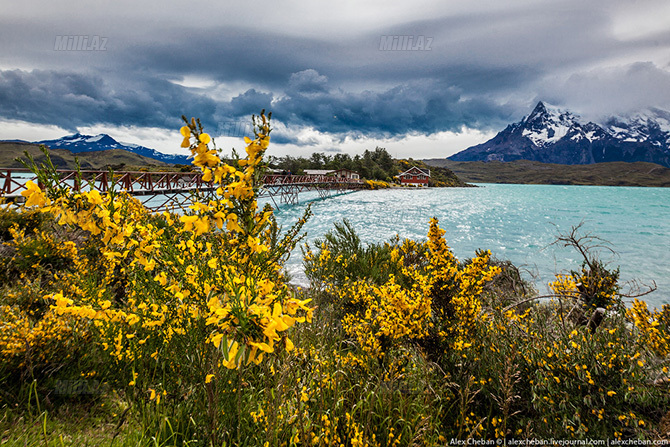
415, 177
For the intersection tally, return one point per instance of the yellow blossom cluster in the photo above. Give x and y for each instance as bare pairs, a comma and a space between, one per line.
32, 335
389, 313
654, 327
376, 184
456, 289
29, 341
426, 291
564, 286
593, 285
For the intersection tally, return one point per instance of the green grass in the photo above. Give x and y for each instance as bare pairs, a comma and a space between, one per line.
100, 421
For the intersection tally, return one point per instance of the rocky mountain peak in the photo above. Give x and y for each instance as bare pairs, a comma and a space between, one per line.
553, 135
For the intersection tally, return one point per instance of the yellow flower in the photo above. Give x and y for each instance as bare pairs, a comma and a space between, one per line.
216, 340
208, 158
201, 225
34, 195
188, 222
209, 378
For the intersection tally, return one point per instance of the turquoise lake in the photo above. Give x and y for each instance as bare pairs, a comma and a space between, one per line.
515, 222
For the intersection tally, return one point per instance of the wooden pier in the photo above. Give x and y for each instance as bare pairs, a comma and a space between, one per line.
170, 190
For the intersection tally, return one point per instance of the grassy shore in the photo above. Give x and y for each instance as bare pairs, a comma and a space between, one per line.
532, 172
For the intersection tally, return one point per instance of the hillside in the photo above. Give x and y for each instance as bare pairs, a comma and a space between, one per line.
64, 159
533, 172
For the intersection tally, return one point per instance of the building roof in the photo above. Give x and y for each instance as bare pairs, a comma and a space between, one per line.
318, 171
415, 170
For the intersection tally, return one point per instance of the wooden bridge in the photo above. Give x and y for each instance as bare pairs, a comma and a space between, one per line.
170, 190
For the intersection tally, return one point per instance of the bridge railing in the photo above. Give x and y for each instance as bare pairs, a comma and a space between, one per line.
139, 183
277, 180
13, 181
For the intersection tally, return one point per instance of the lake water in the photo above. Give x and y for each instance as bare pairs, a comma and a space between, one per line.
515, 222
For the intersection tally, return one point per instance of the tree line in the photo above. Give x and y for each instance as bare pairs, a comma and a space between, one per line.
375, 164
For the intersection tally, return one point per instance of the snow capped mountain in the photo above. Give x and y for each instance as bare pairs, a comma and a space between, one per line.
547, 124
86, 143
553, 135
652, 125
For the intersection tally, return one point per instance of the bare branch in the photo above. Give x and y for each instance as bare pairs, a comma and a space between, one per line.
536, 298
635, 286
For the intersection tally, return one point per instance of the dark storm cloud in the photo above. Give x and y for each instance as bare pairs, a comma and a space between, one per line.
421, 106
248, 103
307, 81
71, 100
484, 68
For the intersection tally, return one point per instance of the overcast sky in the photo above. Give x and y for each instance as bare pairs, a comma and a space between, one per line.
475, 67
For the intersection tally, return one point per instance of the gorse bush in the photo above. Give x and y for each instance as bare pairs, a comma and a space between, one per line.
401, 291
28, 221
36, 344
342, 257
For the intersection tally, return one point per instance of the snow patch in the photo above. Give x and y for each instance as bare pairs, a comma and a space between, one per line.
542, 137
95, 138
591, 135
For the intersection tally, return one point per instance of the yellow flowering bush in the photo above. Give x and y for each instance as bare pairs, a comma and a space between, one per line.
35, 341
593, 285
401, 291
389, 313
455, 289
206, 286
376, 184
653, 326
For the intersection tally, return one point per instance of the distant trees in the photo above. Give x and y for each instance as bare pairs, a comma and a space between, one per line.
377, 164
372, 165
